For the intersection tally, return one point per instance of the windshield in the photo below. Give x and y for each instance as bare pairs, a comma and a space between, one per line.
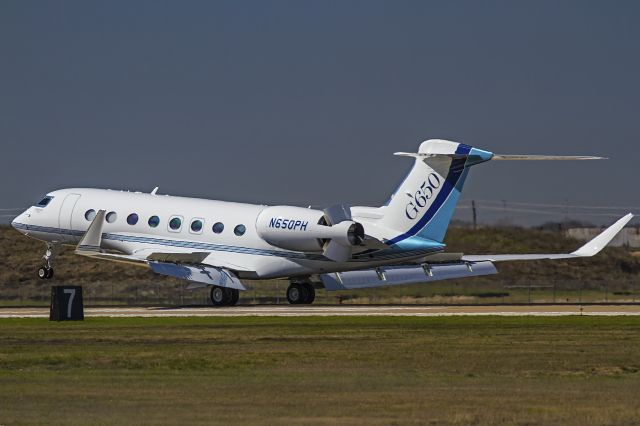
44, 202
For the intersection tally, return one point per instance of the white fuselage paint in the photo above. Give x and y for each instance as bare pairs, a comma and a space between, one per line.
63, 221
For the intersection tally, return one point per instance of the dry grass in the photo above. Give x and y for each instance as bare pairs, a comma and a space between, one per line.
612, 276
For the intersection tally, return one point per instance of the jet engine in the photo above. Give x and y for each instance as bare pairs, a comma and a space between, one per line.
330, 232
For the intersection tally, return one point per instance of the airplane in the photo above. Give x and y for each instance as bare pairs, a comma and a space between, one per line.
220, 244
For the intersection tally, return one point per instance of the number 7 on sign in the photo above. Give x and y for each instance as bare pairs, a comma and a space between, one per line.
72, 293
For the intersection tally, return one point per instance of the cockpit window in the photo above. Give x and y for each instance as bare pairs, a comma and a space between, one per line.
44, 202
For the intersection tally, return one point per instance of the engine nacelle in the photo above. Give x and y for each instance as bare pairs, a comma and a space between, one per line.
300, 229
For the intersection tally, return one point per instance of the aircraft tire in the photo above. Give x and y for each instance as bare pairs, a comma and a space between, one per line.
45, 273
234, 295
296, 293
311, 293
219, 296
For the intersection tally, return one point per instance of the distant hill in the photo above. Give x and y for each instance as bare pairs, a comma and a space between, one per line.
612, 264
21, 256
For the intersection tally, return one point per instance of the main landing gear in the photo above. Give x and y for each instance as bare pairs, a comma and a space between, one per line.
223, 296
301, 293
45, 272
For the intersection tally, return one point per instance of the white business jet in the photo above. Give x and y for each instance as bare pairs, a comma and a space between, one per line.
219, 244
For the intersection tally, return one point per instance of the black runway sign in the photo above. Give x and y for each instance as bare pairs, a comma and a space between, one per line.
66, 303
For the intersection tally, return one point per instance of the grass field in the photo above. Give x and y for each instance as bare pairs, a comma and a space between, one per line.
570, 370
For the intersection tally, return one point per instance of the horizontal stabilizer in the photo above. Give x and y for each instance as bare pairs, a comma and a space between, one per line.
202, 274
592, 248
544, 157
430, 154
397, 275
500, 157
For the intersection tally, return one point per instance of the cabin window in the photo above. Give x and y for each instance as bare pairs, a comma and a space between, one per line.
218, 227
154, 221
44, 202
196, 226
111, 217
239, 230
132, 219
175, 224
90, 214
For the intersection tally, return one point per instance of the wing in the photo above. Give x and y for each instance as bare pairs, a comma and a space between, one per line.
592, 248
192, 266
456, 266
207, 275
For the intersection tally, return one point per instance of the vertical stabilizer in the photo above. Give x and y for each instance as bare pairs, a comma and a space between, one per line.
422, 206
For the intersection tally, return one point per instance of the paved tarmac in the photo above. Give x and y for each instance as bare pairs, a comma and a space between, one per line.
337, 310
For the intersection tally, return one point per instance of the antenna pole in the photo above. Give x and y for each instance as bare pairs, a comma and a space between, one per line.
475, 214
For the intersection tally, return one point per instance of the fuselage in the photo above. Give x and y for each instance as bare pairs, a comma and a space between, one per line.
140, 224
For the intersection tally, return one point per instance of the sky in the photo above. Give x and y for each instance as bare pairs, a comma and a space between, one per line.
304, 102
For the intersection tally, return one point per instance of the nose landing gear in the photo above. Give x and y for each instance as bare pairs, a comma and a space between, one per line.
45, 272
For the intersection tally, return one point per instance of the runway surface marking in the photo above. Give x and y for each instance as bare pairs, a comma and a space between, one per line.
342, 310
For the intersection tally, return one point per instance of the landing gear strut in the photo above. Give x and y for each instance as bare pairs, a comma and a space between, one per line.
222, 296
301, 293
45, 272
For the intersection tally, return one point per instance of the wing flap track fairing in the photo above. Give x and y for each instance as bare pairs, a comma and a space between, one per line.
399, 275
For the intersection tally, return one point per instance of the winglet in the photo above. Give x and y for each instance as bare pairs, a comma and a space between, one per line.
594, 246
93, 237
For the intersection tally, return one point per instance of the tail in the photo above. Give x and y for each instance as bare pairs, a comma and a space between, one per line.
422, 206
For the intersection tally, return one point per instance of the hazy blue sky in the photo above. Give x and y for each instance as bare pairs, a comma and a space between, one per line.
304, 102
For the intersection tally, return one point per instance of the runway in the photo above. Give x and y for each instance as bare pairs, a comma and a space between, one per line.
336, 310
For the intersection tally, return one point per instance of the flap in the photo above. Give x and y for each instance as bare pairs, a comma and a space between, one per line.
124, 258
193, 258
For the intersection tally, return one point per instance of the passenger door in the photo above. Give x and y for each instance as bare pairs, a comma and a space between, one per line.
65, 216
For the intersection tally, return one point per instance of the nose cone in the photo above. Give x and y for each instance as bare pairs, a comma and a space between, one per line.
21, 221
